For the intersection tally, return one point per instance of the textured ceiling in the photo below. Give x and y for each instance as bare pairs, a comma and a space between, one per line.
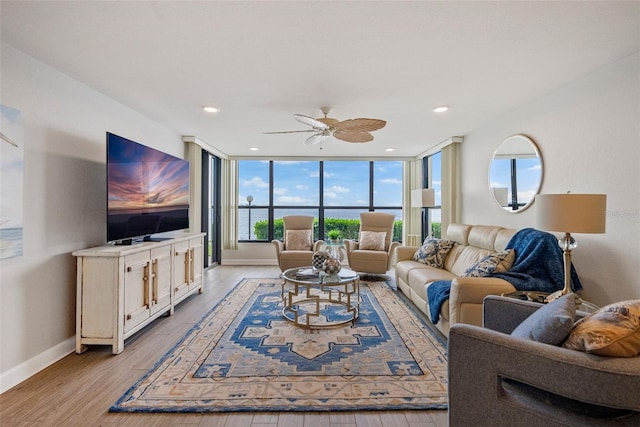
261, 62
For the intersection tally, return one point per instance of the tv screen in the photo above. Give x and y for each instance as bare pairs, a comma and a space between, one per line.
147, 191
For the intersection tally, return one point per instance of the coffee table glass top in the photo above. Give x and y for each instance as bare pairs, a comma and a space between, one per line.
312, 276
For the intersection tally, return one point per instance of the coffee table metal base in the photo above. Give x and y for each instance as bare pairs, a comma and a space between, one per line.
307, 304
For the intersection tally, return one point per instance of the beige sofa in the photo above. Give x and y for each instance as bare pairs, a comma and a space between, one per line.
472, 243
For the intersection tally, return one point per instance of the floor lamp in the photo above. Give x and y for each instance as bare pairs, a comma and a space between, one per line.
570, 213
423, 198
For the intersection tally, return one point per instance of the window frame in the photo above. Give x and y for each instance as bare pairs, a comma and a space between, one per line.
321, 207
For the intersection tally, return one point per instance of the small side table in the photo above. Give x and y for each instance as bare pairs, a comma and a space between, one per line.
540, 297
336, 249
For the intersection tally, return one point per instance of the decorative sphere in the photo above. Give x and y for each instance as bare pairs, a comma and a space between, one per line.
332, 266
319, 258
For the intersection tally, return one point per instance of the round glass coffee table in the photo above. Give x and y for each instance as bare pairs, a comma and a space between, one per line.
313, 299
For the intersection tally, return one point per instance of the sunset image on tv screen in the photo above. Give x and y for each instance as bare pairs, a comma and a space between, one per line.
145, 180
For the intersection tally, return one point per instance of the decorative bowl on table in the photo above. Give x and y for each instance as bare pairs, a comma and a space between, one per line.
331, 266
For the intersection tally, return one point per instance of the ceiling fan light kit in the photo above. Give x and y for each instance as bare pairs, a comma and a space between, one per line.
351, 130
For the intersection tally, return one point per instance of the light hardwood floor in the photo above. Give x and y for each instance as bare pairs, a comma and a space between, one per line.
78, 390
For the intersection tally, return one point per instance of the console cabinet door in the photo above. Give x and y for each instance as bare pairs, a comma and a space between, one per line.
160, 279
196, 262
136, 289
181, 268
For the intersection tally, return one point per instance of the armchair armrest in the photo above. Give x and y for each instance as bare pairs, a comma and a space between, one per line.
392, 253
350, 245
279, 246
504, 314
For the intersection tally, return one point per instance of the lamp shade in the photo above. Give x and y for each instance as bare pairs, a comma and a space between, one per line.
571, 213
423, 198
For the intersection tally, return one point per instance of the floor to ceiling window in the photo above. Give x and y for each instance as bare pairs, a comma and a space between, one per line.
330, 191
432, 178
211, 181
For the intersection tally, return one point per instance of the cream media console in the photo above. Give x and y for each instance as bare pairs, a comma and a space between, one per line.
121, 289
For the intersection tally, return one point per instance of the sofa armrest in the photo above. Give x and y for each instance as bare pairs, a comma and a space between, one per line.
404, 253
481, 359
467, 296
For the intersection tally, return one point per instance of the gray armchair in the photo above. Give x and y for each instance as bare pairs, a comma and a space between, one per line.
496, 379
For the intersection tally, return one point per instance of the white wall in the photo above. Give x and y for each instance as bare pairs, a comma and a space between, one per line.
589, 135
64, 205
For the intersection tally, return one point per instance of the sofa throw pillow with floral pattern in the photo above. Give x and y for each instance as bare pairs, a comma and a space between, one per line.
433, 252
498, 262
297, 240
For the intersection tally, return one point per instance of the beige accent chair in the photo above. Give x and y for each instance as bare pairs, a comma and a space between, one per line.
296, 256
378, 260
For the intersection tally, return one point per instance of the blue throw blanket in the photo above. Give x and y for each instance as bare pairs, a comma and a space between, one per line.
538, 266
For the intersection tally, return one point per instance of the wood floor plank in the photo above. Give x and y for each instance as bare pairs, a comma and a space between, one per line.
79, 389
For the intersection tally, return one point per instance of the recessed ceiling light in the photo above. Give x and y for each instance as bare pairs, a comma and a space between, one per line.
389, 149
440, 109
254, 148
211, 109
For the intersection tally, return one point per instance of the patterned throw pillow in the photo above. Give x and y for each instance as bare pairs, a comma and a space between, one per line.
613, 330
433, 252
297, 240
551, 323
372, 240
497, 262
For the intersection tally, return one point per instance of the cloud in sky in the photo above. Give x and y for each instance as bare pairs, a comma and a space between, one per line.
256, 182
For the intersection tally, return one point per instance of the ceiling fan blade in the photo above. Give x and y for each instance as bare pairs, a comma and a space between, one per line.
350, 136
290, 131
360, 125
315, 139
310, 121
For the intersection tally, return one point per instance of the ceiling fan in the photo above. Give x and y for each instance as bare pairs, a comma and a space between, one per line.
351, 130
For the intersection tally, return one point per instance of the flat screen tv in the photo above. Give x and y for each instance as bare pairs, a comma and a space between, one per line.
147, 191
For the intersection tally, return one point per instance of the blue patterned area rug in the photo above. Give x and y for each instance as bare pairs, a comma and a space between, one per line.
244, 356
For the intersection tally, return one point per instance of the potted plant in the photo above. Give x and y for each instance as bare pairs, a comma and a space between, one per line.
334, 235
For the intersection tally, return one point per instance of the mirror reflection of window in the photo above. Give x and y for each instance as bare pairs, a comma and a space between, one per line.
515, 174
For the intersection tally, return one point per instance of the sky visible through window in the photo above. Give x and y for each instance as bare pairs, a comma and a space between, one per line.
346, 183
529, 174
297, 184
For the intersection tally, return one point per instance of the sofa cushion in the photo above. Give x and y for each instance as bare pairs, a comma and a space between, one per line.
433, 252
464, 257
418, 277
372, 240
613, 330
497, 262
297, 240
551, 323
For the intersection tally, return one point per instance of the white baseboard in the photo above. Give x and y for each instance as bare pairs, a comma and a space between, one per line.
17, 374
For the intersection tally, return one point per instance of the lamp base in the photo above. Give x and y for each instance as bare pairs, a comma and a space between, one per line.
554, 296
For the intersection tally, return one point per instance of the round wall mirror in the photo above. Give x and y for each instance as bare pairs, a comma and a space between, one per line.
515, 174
